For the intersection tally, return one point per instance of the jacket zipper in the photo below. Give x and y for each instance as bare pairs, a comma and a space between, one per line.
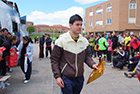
64, 67
76, 62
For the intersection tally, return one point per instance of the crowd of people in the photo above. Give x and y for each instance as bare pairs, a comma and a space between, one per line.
13, 45
119, 50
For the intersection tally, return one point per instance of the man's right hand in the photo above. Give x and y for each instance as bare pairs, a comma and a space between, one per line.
60, 82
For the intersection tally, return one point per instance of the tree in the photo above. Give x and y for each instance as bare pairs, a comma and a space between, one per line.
30, 29
47, 30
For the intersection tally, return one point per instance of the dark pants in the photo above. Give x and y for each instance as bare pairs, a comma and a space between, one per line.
29, 69
72, 85
3, 67
109, 56
128, 53
132, 66
41, 53
100, 54
48, 49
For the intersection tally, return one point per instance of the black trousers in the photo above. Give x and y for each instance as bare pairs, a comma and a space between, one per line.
48, 49
2, 67
29, 69
100, 54
41, 53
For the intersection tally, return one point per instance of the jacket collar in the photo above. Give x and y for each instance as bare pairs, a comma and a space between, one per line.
69, 38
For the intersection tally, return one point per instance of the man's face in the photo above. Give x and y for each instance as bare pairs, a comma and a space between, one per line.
5, 33
76, 27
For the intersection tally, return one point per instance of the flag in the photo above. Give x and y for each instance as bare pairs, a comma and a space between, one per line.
97, 73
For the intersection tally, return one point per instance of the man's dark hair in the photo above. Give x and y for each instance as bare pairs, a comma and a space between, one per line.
2, 30
74, 18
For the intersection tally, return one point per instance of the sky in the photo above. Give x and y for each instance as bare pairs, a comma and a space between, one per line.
53, 12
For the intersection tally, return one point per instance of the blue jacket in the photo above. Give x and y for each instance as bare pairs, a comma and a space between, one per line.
134, 59
29, 50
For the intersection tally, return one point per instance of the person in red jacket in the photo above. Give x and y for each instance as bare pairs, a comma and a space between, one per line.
136, 45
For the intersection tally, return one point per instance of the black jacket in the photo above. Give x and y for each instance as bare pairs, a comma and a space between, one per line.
48, 41
115, 42
7, 45
120, 56
42, 40
2, 39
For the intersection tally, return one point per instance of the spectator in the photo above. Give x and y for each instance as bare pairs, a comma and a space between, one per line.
18, 40
119, 60
54, 39
136, 45
3, 34
133, 62
26, 49
92, 44
7, 44
131, 44
114, 41
41, 46
102, 47
127, 45
109, 49
48, 45
119, 39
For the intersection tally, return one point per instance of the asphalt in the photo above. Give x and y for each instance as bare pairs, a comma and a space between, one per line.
112, 81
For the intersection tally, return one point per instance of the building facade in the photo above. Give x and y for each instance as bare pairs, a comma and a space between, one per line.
47, 28
114, 15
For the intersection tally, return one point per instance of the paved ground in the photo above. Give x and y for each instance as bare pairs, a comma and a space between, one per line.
42, 82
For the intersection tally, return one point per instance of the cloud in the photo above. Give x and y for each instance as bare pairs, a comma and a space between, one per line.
88, 1
55, 18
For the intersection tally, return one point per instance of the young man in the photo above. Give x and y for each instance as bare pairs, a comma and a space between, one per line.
70, 52
41, 46
48, 45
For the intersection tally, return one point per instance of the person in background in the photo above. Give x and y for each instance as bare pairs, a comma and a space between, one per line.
54, 39
7, 44
131, 44
133, 62
102, 42
127, 45
92, 44
109, 49
70, 52
120, 37
18, 39
25, 48
114, 41
41, 46
3, 34
136, 46
119, 60
48, 45
139, 38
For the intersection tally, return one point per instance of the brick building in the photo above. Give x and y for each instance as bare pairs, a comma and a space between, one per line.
51, 29
114, 15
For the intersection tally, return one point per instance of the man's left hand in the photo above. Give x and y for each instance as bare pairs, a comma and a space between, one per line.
95, 66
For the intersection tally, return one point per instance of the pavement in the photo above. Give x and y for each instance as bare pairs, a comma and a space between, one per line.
112, 81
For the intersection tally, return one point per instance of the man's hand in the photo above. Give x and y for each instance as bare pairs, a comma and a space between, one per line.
95, 66
60, 82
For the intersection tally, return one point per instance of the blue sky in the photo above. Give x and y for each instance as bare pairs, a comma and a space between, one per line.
53, 12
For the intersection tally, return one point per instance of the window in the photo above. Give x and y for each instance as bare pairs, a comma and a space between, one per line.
109, 21
109, 9
132, 6
91, 13
132, 20
100, 11
91, 24
99, 23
